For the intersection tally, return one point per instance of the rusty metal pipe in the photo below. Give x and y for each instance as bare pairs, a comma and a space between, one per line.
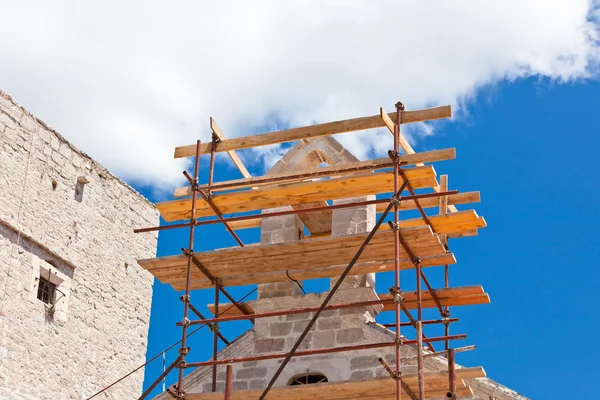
211, 167
190, 255
160, 378
397, 291
195, 311
209, 201
419, 328
316, 351
215, 336
451, 374
426, 322
228, 382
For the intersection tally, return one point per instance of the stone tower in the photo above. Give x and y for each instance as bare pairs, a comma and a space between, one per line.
74, 304
334, 328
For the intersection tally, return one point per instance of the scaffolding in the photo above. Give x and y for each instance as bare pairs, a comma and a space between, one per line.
394, 246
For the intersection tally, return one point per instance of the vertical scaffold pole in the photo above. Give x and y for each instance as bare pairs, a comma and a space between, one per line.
444, 238
419, 326
189, 252
228, 382
396, 292
451, 375
215, 329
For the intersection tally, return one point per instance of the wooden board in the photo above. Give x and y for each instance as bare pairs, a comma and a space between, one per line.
334, 170
436, 386
314, 273
339, 188
232, 154
313, 131
458, 296
430, 202
328, 257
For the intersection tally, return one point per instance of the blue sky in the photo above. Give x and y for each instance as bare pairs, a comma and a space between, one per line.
531, 148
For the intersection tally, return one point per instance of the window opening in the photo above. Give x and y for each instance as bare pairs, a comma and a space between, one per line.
46, 291
308, 378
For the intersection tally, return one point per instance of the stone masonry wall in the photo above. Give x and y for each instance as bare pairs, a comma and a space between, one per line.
61, 210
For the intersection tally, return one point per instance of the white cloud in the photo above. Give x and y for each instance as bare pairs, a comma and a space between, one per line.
128, 81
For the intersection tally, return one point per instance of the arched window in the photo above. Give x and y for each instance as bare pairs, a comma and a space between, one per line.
308, 378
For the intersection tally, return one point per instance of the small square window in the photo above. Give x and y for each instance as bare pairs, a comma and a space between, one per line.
46, 291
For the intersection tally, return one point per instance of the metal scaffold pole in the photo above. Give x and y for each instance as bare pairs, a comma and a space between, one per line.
189, 252
396, 289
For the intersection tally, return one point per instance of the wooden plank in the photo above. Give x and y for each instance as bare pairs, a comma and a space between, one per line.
459, 296
322, 252
299, 193
431, 202
313, 131
334, 170
316, 253
378, 388
199, 282
232, 154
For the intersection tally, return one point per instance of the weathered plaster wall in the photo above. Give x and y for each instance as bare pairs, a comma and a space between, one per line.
89, 236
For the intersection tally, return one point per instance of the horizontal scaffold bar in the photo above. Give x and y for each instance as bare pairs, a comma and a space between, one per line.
320, 351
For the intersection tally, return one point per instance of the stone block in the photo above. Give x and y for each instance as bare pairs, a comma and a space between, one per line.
257, 384
361, 375
322, 340
364, 362
280, 328
298, 317
268, 345
324, 324
349, 336
252, 372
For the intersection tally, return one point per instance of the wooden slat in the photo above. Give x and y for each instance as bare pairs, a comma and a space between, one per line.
460, 198
334, 170
458, 296
250, 200
320, 252
200, 282
303, 260
313, 131
232, 154
379, 388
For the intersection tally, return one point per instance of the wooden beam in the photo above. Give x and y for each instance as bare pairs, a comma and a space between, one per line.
334, 170
456, 296
232, 154
313, 131
345, 187
460, 198
316, 273
390, 125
